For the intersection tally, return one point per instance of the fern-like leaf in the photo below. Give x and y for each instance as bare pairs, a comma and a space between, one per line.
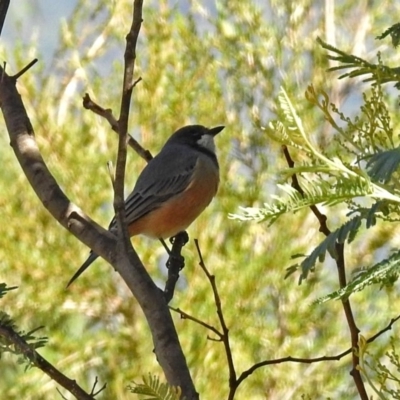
379, 73
152, 387
347, 232
394, 32
316, 191
381, 166
384, 273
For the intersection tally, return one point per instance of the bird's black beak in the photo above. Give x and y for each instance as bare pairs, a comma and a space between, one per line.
216, 130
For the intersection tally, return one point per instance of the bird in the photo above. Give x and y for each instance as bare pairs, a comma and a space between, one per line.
173, 189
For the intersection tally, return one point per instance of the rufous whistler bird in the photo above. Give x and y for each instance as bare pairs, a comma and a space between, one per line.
174, 187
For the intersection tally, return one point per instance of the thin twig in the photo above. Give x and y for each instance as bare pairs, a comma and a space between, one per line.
96, 381
124, 244
23, 70
337, 357
185, 315
225, 330
354, 331
89, 104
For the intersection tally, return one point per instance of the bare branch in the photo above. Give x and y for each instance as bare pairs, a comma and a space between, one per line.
337, 357
92, 392
185, 315
89, 104
354, 331
25, 69
225, 330
149, 296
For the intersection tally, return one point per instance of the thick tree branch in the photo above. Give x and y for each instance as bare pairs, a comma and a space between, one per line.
22, 140
151, 299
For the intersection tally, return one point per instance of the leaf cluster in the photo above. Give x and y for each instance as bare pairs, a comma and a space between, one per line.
385, 375
379, 72
9, 329
153, 389
357, 171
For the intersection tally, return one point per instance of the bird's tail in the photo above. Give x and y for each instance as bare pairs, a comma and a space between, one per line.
85, 265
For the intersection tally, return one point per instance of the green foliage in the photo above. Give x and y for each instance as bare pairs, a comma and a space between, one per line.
330, 180
211, 66
155, 390
384, 273
381, 166
346, 232
315, 191
333, 180
394, 32
380, 73
7, 345
367, 132
386, 376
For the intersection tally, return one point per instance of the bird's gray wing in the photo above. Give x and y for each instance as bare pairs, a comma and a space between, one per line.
163, 178
166, 175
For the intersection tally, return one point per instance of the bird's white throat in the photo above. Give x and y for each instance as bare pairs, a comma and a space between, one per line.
207, 141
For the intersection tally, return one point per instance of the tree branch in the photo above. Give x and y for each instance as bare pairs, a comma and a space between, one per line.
296, 185
337, 357
36, 359
185, 315
341, 267
175, 263
245, 374
89, 104
22, 140
225, 330
354, 331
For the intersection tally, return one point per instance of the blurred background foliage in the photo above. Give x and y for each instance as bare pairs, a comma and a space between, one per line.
201, 62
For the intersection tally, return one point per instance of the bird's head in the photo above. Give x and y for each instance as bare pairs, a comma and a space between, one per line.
196, 135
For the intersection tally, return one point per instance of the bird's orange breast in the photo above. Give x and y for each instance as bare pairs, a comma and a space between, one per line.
177, 213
